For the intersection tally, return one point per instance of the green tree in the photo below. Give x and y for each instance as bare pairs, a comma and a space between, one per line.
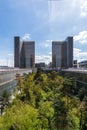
60, 112
46, 113
20, 116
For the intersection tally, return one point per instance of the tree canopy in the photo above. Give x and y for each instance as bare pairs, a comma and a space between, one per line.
45, 102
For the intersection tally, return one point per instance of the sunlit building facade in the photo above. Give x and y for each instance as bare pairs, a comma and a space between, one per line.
62, 53
24, 53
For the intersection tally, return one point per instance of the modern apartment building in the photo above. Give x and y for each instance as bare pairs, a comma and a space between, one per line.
62, 53
24, 53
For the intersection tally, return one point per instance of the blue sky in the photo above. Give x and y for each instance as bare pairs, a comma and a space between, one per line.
42, 21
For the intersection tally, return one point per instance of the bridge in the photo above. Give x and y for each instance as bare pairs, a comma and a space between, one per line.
8, 79
79, 73
76, 70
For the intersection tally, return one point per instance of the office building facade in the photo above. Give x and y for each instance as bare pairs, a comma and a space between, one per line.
24, 53
16, 51
62, 53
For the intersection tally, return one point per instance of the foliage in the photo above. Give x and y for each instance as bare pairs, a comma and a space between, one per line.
46, 102
19, 117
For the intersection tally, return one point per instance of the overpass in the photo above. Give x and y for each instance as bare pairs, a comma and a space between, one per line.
76, 70
79, 73
8, 78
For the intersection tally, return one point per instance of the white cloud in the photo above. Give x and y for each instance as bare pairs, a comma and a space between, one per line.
79, 54
83, 54
83, 8
81, 37
50, 53
10, 54
46, 44
49, 41
7, 62
43, 58
3, 62
26, 37
76, 51
63, 9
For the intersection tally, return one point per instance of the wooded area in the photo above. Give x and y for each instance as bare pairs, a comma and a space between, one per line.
46, 102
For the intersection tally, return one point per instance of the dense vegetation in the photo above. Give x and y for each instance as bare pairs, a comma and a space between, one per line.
46, 102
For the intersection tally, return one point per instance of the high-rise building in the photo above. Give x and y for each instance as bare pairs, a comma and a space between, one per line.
24, 53
62, 53
69, 44
16, 51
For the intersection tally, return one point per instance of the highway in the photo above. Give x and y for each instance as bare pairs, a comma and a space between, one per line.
7, 78
6, 75
76, 70
80, 74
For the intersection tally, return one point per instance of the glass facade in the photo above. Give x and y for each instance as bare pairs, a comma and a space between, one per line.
26, 51
62, 53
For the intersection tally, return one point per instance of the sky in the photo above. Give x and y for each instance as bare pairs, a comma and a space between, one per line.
42, 21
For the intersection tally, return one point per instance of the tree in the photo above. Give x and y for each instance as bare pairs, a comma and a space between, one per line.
45, 102
20, 116
46, 113
60, 113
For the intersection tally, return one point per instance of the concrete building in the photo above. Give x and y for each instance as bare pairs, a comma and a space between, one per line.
62, 53
24, 53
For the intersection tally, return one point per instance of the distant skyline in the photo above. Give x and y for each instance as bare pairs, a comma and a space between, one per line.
42, 21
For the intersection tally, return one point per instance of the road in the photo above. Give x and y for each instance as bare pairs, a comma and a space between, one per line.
7, 78
80, 70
